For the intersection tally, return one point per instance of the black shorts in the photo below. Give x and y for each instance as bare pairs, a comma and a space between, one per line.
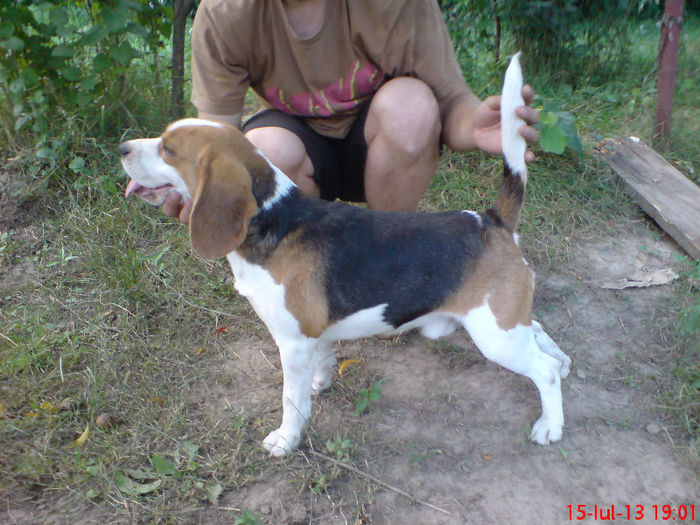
339, 164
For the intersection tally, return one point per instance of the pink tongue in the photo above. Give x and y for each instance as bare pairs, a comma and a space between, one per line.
131, 187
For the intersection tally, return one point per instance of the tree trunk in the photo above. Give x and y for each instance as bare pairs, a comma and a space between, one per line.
181, 10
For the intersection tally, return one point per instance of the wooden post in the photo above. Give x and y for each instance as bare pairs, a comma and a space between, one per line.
668, 62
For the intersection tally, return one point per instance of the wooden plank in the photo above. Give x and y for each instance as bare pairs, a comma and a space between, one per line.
662, 191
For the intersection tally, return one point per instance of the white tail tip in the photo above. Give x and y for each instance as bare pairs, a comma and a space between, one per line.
514, 145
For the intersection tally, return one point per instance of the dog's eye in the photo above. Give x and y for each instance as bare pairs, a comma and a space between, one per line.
166, 150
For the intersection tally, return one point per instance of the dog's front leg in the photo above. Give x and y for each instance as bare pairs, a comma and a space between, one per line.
298, 358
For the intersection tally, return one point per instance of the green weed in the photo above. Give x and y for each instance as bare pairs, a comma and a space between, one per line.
368, 396
247, 518
341, 448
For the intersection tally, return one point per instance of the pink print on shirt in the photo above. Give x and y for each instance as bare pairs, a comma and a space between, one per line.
340, 97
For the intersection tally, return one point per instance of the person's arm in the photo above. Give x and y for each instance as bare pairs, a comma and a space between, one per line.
457, 115
234, 120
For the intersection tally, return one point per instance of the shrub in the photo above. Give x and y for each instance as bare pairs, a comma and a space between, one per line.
64, 59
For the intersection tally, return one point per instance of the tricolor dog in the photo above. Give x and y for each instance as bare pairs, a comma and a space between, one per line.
317, 272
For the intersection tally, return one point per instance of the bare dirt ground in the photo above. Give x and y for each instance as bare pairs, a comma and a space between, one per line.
451, 428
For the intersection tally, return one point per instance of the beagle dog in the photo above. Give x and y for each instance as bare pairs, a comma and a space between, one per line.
317, 272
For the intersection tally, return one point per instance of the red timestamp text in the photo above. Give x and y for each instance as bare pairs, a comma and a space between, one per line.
676, 513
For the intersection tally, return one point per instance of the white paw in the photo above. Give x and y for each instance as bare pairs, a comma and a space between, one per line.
320, 384
565, 366
544, 433
278, 443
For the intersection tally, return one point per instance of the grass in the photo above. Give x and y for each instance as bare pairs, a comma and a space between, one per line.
105, 310
126, 326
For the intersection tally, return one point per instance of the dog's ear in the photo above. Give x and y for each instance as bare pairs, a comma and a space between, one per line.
222, 206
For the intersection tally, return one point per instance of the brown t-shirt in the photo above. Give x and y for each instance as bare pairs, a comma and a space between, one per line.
361, 44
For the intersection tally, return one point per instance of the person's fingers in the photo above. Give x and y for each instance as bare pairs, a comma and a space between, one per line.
528, 94
186, 211
529, 115
529, 133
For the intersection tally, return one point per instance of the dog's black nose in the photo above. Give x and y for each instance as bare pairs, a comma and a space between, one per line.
124, 149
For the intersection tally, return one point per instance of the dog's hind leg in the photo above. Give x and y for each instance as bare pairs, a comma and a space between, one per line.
297, 356
517, 350
549, 347
323, 373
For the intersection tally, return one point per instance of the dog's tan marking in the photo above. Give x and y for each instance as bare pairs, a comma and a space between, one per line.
223, 205
501, 275
299, 268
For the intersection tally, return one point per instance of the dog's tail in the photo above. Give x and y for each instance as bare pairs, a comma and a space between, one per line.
509, 201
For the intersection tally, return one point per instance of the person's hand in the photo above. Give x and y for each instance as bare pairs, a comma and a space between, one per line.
175, 206
487, 123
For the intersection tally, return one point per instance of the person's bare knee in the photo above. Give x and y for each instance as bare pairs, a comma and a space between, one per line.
406, 113
286, 151
403, 144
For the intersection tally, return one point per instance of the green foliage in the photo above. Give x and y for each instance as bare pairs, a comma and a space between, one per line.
570, 39
368, 396
341, 448
64, 59
689, 319
247, 518
138, 482
558, 131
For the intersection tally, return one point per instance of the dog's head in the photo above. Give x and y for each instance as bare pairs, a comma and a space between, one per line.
206, 161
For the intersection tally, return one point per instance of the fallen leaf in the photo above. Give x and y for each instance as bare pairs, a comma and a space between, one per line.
219, 329
135, 489
83, 437
163, 466
200, 351
140, 474
49, 407
213, 491
643, 278
347, 363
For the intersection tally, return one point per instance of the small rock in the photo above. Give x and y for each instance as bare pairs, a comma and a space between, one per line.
653, 428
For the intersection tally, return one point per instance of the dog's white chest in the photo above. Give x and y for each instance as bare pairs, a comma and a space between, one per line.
265, 295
